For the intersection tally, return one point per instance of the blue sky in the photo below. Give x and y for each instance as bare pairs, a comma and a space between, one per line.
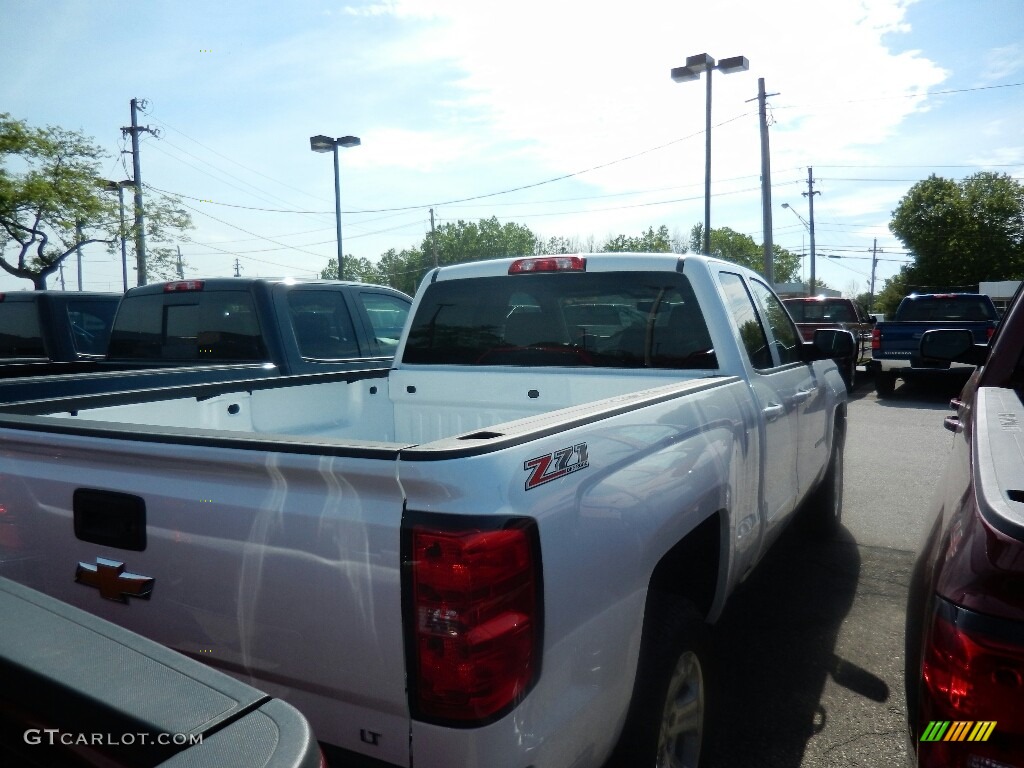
457, 99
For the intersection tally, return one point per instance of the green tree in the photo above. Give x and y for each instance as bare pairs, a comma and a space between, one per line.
741, 249
962, 233
52, 200
892, 293
556, 245
462, 241
650, 241
696, 244
357, 268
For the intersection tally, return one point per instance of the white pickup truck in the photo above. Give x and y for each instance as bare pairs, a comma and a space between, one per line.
503, 551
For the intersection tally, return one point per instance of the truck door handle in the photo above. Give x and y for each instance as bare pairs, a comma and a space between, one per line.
773, 412
109, 518
801, 395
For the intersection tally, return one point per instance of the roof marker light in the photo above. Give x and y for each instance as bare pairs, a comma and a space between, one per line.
183, 285
548, 264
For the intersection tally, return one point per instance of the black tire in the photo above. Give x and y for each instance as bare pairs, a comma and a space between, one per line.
669, 717
825, 505
850, 377
885, 384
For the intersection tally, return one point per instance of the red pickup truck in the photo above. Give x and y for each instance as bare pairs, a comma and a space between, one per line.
965, 615
815, 312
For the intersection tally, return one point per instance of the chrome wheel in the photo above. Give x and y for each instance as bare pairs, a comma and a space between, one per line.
682, 723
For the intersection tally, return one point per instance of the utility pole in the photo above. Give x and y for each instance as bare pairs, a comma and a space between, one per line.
238, 269
181, 268
874, 263
809, 194
766, 184
140, 234
78, 251
433, 237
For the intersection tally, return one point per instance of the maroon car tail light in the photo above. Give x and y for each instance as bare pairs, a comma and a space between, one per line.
876, 338
973, 675
473, 619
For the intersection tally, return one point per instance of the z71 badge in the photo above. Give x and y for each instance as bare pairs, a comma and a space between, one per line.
544, 469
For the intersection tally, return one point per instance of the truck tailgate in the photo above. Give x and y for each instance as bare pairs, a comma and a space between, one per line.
312, 541
999, 459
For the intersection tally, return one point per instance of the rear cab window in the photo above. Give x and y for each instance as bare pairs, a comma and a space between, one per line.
188, 325
21, 334
585, 319
946, 307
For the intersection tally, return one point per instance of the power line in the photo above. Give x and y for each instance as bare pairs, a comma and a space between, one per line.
230, 160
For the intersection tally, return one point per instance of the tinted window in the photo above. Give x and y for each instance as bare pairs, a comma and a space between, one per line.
90, 323
617, 320
744, 313
197, 325
20, 333
787, 338
945, 308
821, 311
323, 327
387, 315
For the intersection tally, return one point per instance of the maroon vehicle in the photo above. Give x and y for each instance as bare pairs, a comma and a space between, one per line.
965, 613
814, 312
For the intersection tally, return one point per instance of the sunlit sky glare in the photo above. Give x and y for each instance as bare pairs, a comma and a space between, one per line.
461, 99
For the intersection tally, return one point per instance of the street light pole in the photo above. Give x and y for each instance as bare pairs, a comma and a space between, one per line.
327, 144
702, 62
119, 186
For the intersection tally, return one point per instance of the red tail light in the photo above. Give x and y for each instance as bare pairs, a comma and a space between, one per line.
971, 676
989, 332
473, 620
876, 339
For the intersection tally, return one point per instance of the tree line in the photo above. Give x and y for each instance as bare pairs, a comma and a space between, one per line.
463, 241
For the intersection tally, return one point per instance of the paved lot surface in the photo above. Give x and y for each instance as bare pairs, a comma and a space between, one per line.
811, 647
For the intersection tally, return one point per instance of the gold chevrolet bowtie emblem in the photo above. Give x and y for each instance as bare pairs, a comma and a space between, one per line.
113, 583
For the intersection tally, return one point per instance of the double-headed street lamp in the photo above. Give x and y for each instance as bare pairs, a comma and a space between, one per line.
327, 144
702, 62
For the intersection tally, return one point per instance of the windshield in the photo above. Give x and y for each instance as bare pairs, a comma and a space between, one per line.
616, 320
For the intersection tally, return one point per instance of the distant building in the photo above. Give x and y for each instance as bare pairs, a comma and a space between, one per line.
1000, 292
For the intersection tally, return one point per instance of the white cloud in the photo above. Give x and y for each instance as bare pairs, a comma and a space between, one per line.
1002, 63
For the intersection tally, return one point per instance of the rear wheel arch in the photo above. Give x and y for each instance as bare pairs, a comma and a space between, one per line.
670, 709
690, 570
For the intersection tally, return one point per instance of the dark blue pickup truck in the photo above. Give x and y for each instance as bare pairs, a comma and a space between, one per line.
57, 326
895, 344
192, 332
